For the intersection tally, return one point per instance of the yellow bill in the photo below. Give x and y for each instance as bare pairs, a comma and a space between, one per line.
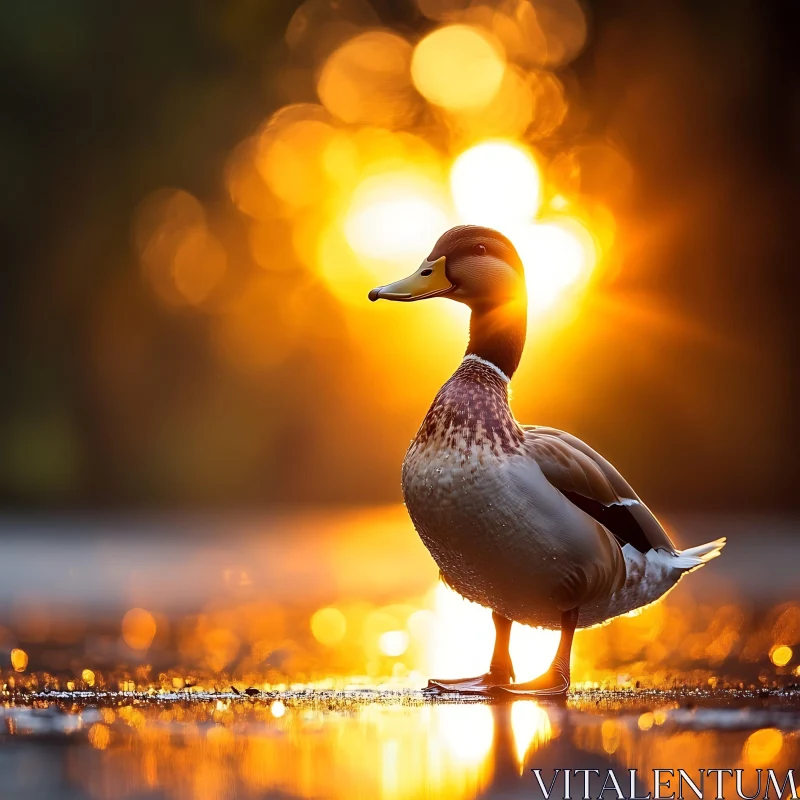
430, 280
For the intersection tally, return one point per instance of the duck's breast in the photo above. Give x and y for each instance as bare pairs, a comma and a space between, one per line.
493, 545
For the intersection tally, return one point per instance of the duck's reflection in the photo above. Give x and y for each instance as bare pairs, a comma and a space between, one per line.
239, 749
530, 735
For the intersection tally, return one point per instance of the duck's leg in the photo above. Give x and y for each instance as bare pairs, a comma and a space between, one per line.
554, 682
501, 671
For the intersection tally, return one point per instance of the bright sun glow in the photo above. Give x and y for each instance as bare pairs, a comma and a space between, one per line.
395, 218
556, 253
463, 639
496, 184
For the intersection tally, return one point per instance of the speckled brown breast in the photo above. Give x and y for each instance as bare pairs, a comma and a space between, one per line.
458, 493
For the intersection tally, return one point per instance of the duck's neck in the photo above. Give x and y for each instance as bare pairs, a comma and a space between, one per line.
497, 335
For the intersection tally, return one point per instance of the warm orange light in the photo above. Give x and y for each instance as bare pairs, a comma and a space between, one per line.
181, 259
508, 114
367, 80
463, 637
88, 677
277, 708
458, 67
610, 732
290, 161
221, 647
393, 643
396, 218
199, 265
496, 183
19, 660
138, 628
328, 626
531, 727
762, 747
467, 731
557, 253
99, 736
781, 655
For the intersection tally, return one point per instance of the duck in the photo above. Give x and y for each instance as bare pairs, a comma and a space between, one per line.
526, 520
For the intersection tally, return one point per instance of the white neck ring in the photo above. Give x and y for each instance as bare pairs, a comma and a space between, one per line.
494, 367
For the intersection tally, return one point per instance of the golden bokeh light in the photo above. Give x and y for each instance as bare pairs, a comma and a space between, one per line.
221, 647
198, 265
508, 114
458, 67
19, 660
181, 259
550, 33
396, 217
557, 253
356, 190
329, 626
368, 81
88, 677
781, 655
99, 736
290, 161
277, 708
762, 747
393, 643
646, 721
245, 185
496, 183
610, 732
138, 628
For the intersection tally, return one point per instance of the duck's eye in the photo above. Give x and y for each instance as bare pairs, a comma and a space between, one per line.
426, 272
479, 250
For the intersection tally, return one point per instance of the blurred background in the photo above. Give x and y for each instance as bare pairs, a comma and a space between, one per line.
202, 419
196, 199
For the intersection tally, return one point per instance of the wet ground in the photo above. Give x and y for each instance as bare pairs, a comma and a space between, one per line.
148, 659
379, 744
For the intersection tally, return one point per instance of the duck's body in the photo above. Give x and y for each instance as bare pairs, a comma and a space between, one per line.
489, 498
528, 521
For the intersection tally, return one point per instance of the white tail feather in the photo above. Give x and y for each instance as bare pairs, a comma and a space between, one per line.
650, 576
697, 556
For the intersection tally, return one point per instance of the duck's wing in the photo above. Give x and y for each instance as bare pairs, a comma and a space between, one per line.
590, 482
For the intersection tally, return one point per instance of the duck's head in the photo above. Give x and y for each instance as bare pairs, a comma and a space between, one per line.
480, 268
473, 265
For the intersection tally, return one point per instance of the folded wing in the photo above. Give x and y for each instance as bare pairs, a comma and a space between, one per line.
591, 483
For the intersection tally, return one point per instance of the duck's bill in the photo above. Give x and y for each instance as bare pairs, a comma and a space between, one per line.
430, 280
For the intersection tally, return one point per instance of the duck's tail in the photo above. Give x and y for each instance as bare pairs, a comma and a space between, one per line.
695, 557
650, 576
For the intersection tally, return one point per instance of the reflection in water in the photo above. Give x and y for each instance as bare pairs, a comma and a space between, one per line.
467, 731
531, 727
382, 746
